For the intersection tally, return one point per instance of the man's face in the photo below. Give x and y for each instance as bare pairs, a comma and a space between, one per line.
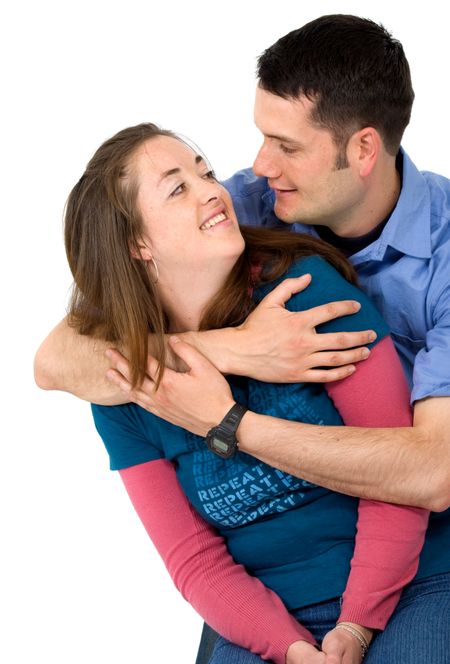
300, 160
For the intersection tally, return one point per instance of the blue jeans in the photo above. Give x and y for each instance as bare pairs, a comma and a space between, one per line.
417, 633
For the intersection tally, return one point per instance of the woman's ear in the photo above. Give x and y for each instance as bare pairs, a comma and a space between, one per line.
141, 252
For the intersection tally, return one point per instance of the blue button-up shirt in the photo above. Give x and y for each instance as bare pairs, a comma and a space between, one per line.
406, 270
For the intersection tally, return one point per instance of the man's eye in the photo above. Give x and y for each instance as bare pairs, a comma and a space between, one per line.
287, 150
178, 190
210, 175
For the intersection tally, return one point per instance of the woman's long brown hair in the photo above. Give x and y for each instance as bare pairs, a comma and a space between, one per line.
113, 296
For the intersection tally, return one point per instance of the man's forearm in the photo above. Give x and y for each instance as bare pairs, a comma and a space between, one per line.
401, 465
77, 364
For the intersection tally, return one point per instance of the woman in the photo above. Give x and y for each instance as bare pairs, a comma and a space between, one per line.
153, 244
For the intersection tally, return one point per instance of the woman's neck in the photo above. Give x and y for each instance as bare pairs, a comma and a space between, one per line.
186, 299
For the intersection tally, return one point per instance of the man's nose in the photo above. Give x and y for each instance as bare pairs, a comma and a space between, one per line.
265, 165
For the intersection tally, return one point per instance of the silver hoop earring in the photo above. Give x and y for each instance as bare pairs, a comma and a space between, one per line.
152, 260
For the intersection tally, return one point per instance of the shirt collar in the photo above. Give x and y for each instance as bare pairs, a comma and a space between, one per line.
408, 229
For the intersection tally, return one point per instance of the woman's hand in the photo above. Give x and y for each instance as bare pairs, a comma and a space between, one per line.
342, 647
302, 652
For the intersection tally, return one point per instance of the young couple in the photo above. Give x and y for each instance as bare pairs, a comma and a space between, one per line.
245, 483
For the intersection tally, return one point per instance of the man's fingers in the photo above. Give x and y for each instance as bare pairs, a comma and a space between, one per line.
339, 358
190, 355
288, 287
341, 365
325, 312
342, 340
327, 375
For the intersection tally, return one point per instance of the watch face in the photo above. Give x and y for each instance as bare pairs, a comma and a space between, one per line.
220, 446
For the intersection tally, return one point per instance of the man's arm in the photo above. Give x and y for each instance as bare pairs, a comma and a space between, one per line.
404, 465
76, 363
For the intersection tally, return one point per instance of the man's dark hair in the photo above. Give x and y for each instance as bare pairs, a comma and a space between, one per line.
354, 71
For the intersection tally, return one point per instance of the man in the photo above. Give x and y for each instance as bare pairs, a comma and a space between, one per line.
332, 102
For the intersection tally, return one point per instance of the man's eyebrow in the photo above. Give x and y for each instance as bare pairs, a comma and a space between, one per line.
175, 171
284, 139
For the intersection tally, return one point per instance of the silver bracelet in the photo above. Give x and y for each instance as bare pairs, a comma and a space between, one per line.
357, 634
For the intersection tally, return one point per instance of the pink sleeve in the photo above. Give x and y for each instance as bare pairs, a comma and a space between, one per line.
389, 537
232, 602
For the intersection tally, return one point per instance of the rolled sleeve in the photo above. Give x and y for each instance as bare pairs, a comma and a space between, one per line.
431, 376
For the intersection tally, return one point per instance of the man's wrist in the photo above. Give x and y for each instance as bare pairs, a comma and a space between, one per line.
220, 347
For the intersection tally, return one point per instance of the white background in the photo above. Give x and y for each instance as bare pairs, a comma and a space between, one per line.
80, 581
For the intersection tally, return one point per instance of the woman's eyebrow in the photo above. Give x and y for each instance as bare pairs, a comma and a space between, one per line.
174, 171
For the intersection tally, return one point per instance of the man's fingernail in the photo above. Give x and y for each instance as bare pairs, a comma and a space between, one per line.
174, 340
356, 306
108, 353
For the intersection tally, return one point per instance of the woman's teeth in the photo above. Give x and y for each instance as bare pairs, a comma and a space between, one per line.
212, 222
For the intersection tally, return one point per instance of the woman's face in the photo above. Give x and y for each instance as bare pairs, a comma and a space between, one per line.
189, 223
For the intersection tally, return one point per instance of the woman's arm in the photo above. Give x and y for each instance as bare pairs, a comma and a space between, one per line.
390, 537
235, 604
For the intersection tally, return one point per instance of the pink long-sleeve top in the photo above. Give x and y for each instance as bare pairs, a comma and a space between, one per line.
387, 546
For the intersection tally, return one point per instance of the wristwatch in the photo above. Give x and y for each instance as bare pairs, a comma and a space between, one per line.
222, 439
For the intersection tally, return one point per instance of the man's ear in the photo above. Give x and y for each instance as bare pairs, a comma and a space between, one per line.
363, 150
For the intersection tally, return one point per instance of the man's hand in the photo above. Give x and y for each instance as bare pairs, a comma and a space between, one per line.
277, 345
302, 652
196, 400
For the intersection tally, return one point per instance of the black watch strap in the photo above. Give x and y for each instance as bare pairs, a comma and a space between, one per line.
232, 419
221, 439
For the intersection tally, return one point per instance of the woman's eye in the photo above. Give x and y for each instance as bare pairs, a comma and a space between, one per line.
178, 190
210, 175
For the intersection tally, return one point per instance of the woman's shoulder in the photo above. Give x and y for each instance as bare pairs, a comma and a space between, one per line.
328, 285
319, 269
130, 434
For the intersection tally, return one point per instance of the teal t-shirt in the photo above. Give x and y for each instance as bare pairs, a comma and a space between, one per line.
296, 537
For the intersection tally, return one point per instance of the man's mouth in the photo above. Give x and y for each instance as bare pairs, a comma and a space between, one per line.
209, 223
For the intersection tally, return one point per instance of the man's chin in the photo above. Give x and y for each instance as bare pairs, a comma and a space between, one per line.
288, 216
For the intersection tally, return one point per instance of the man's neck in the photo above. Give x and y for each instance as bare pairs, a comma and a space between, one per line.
372, 217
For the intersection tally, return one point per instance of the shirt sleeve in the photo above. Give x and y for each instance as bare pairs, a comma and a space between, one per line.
389, 537
235, 604
127, 441
431, 377
328, 285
